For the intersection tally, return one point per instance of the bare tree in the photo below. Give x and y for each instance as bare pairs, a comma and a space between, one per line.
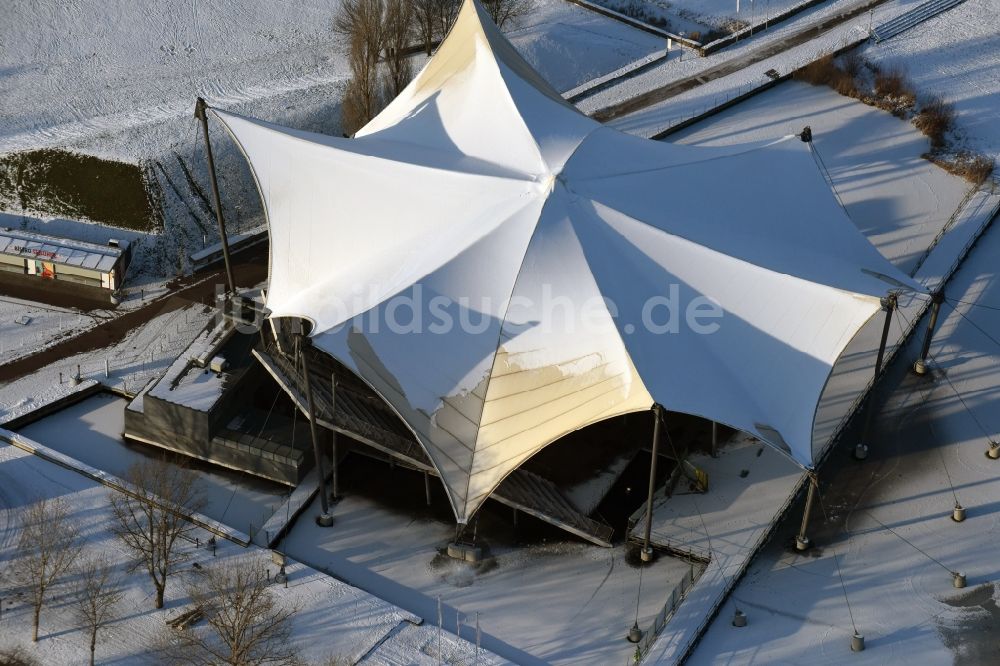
246, 625
49, 544
362, 97
397, 29
150, 522
504, 11
446, 11
362, 22
98, 593
425, 22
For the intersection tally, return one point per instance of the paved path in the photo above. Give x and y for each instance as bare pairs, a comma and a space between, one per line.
199, 288
768, 50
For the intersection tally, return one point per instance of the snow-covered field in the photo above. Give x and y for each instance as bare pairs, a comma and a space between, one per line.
80, 69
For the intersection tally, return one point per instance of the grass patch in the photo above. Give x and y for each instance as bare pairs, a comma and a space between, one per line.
64, 184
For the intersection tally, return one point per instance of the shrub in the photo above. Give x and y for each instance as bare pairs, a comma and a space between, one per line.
892, 83
973, 168
936, 119
845, 83
978, 169
852, 64
826, 72
819, 72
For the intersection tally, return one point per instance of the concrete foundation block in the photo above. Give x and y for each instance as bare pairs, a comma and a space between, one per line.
465, 551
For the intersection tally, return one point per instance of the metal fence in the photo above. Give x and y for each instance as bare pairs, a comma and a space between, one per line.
660, 621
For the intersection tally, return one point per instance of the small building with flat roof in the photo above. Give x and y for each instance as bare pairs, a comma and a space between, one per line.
64, 260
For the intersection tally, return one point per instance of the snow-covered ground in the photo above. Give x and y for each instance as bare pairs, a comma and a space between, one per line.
79, 69
333, 620
27, 327
143, 354
899, 200
84, 68
570, 45
927, 453
91, 431
749, 485
560, 602
954, 56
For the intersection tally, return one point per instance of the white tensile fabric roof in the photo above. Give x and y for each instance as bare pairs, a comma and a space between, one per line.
483, 196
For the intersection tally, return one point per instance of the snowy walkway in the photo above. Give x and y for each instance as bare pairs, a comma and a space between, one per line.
750, 487
696, 88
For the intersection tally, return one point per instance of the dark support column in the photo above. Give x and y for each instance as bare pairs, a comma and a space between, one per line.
199, 113
920, 367
647, 550
335, 490
427, 488
325, 519
802, 541
715, 439
888, 305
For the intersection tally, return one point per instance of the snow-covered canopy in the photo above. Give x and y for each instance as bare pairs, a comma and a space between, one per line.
552, 243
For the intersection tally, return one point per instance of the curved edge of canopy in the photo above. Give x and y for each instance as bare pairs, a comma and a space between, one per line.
819, 400
550, 443
416, 436
263, 199
760, 436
